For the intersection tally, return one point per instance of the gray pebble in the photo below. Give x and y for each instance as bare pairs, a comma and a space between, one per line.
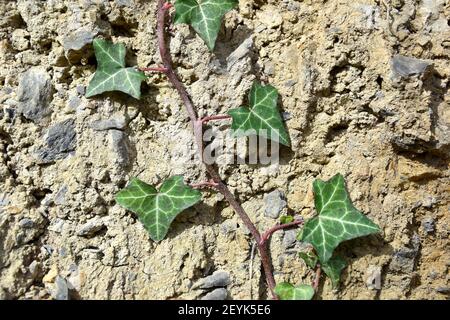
429, 225
34, 94
60, 141
26, 223
76, 43
62, 252
78, 39
289, 238
428, 202
286, 115
124, 3
121, 146
217, 294
405, 66
60, 197
240, 52
228, 226
34, 269
74, 102
57, 225
90, 228
404, 259
81, 90
46, 250
217, 279
275, 203
101, 125
444, 290
60, 291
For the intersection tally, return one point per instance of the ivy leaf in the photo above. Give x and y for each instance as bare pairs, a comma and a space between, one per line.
262, 118
287, 291
286, 219
337, 221
333, 269
156, 210
205, 16
112, 74
309, 258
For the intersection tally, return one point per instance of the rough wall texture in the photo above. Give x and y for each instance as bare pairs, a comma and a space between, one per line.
366, 87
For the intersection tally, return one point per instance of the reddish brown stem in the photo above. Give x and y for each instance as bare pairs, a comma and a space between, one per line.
210, 184
198, 132
167, 6
158, 69
215, 117
317, 278
266, 235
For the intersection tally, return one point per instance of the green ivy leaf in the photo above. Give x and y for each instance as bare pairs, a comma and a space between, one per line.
205, 16
286, 219
309, 258
337, 221
262, 118
111, 74
333, 269
156, 210
287, 291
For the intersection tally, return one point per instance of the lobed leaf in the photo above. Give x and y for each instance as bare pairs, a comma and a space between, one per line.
333, 269
337, 220
287, 291
205, 16
112, 74
156, 210
262, 118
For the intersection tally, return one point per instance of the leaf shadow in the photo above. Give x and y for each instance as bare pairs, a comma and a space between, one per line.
228, 42
355, 249
285, 153
146, 105
200, 214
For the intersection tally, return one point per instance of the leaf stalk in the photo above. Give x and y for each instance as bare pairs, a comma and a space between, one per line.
157, 69
317, 278
206, 184
215, 118
266, 235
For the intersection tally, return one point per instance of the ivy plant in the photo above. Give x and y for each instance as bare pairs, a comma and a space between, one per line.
287, 291
157, 209
262, 118
112, 74
205, 16
336, 219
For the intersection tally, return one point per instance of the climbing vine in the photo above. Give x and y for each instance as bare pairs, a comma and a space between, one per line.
337, 220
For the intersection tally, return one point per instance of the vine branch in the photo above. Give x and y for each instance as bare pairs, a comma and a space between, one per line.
266, 235
317, 278
215, 117
157, 69
206, 184
197, 124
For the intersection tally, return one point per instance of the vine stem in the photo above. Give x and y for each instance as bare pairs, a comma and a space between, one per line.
266, 235
206, 184
215, 117
317, 278
157, 69
197, 124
